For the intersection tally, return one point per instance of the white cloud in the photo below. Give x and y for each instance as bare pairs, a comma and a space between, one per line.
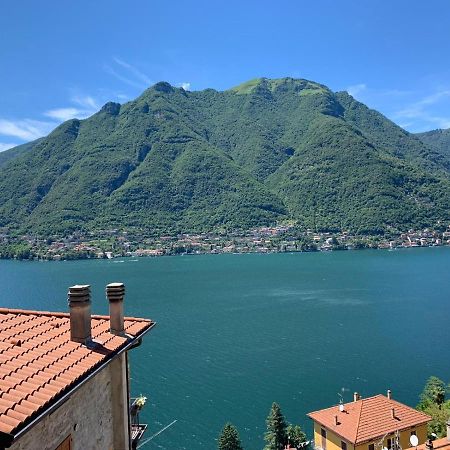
128, 74
62, 114
86, 102
6, 145
186, 86
25, 129
126, 80
356, 89
420, 117
136, 72
86, 106
123, 97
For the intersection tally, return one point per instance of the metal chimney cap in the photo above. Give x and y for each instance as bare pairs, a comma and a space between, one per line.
115, 286
79, 293
115, 292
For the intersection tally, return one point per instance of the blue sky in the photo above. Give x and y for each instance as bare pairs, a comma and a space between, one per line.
62, 59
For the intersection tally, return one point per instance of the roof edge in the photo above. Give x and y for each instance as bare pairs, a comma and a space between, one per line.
64, 314
66, 395
399, 429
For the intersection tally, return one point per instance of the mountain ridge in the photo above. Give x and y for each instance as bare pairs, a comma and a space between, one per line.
266, 151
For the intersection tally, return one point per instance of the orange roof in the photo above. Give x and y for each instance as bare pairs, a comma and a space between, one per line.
438, 444
39, 363
369, 418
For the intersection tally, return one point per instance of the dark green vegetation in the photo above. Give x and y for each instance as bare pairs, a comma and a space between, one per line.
229, 438
433, 402
17, 151
439, 140
264, 152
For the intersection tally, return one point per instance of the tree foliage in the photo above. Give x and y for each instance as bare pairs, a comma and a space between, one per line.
433, 402
229, 438
295, 435
275, 436
263, 152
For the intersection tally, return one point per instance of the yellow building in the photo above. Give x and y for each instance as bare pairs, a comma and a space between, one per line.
368, 424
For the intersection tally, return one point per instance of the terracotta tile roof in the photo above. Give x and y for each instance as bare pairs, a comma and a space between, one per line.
438, 444
369, 418
39, 362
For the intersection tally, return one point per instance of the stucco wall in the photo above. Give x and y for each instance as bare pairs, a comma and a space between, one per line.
334, 440
87, 415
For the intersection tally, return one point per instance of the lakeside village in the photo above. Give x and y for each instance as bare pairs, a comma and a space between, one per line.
284, 238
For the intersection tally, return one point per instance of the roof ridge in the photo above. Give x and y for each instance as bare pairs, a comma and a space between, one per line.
64, 314
359, 418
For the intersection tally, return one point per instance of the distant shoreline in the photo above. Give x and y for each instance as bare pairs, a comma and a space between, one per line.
290, 252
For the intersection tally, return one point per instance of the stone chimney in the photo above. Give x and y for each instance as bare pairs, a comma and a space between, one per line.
115, 293
79, 299
389, 394
355, 397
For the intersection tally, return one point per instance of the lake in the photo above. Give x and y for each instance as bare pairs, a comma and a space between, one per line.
237, 332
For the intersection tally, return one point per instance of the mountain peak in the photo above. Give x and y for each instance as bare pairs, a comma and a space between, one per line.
275, 84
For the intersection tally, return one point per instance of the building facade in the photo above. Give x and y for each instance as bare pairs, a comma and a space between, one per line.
64, 378
371, 423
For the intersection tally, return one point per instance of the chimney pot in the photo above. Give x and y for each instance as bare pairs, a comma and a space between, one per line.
355, 396
389, 394
115, 293
79, 300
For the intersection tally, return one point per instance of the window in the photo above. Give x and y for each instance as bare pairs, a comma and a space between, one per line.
343, 445
66, 444
323, 433
389, 443
371, 446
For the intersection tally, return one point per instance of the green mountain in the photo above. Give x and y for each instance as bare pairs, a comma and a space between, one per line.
439, 140
263, 152
12, 153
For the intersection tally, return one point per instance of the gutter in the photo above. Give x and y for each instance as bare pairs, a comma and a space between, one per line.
7, 439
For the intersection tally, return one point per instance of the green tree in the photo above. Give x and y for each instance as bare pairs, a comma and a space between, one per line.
295, 435
433, 392
229, 438
439, 416
276, 429
433, 403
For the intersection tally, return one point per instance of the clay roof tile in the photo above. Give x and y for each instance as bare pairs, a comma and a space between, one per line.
39, 362
368, 418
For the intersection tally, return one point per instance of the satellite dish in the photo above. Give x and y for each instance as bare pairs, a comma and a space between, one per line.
413, 440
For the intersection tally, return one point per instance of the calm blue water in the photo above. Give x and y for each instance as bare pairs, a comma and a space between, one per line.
237, 332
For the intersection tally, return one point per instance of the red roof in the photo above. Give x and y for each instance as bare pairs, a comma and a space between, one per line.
39, 362
438, 444
369, 418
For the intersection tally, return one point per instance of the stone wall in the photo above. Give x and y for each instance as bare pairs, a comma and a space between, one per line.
89, 416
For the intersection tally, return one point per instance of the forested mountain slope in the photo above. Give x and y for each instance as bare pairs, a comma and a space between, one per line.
263, 152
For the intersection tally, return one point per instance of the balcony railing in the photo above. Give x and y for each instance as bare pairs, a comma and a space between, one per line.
137, 428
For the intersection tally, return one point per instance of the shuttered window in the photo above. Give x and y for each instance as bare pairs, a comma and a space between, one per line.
66, 444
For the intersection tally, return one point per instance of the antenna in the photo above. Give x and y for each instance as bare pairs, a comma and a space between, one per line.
379, 444
341, 401
397, 441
